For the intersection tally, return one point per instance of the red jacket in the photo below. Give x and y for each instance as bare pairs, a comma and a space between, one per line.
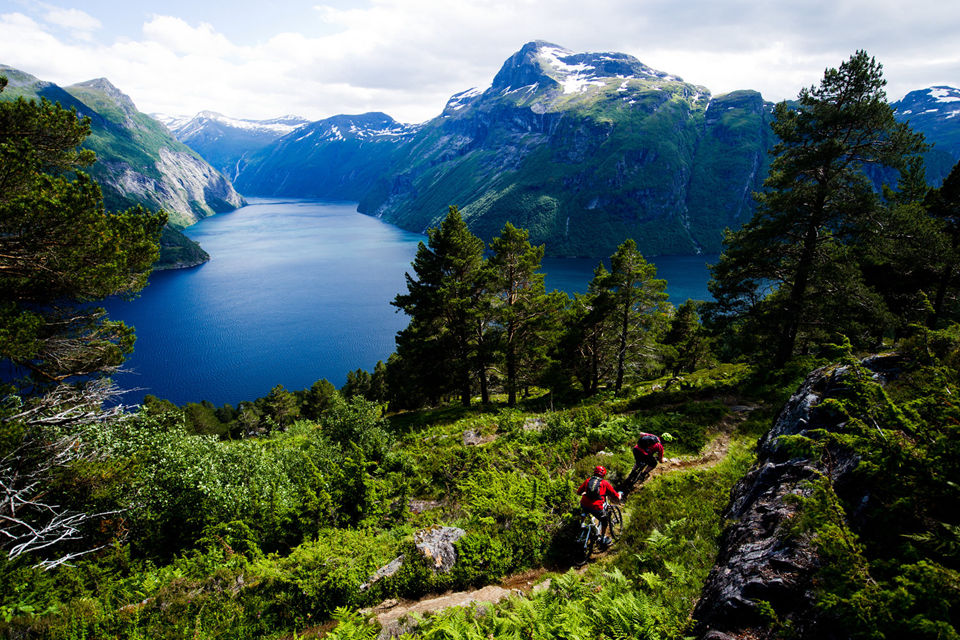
652, 450
586, 502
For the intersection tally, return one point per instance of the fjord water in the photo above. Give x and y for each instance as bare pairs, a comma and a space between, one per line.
295, 291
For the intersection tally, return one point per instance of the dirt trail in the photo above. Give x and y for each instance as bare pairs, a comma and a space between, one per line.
391, 613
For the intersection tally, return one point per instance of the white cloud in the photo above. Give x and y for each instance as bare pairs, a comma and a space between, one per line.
181, 38
73, 19
406, 57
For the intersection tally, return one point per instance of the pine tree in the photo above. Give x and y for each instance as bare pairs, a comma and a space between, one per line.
639, 307
902, 248
59, 252
789, 273
281, 406
523, 310
587, 344
59, 249
317, 399
687, 339
944, 205
440, 345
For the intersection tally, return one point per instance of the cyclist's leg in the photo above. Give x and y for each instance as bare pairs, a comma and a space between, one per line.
604, 522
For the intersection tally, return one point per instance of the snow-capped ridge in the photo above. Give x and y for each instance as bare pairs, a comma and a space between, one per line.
374, 124
944, 94
553, 66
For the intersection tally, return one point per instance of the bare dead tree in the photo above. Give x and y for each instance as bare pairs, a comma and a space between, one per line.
53, 434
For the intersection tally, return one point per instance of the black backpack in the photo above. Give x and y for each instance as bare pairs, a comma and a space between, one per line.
593, 488
647, 441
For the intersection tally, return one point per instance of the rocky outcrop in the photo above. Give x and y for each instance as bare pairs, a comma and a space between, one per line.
759, 566
184, 186
436, 544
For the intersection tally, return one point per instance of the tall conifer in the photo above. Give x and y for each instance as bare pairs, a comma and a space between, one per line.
439, 347
797, 247
524, 311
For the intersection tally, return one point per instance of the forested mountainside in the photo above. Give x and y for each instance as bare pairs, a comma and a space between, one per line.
138, 160
581, 149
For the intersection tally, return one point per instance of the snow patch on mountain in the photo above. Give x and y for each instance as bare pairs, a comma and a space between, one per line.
553, 55
944, 94
187, 126
463, 99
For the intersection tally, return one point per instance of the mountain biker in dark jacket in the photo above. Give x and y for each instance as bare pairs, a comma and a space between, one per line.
646, 453
593, 499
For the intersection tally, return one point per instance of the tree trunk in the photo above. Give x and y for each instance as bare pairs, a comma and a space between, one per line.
484, 389
511, 357
942, 286
794, 307
622, 355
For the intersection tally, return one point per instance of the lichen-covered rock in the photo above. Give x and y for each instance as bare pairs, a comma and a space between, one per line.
759, 565
437, 545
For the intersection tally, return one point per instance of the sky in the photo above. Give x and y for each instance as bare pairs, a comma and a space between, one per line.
262, 59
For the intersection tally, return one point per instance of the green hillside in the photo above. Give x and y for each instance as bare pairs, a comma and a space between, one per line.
808, 482
583, 150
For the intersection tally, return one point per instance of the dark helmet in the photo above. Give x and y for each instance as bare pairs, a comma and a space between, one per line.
600, 470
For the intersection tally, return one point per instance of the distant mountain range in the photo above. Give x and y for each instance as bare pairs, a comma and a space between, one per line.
582, 149
225, 142
138, 160
934, 112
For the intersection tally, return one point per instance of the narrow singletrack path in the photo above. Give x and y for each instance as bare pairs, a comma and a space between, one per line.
391, 613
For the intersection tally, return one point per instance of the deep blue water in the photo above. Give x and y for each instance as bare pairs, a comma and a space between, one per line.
295, 291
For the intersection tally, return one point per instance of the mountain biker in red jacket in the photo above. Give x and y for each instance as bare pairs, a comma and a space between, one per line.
593, 499
646, 453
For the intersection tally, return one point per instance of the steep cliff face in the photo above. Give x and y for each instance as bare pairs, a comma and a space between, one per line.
185, 186
225, 142
138, 161
141, 162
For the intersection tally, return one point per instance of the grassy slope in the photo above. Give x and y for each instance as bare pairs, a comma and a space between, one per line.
514, 496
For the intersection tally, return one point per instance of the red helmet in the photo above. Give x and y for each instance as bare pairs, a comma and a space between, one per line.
600, 470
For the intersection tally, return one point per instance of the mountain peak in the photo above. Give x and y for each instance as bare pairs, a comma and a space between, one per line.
107, 88
943, 93
550, 65
936, 101
17, 78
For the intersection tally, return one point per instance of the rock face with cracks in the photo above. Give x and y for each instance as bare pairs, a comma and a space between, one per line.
758, 566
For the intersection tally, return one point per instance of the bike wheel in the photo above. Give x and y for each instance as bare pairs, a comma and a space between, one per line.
615, 525
588, 541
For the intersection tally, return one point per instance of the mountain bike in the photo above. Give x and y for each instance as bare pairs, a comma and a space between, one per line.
636, 477
589, 536
614, 521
